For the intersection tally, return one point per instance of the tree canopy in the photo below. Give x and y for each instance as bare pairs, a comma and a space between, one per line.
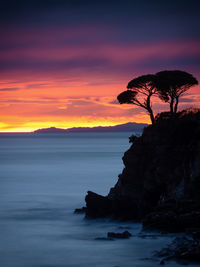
128, 97
141, 86
168, 85
171, 84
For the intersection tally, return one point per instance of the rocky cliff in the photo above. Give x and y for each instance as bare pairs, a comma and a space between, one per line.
160, 183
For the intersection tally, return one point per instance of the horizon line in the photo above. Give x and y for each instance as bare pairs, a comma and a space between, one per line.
90, 127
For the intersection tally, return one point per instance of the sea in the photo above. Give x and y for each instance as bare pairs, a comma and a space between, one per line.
43, 179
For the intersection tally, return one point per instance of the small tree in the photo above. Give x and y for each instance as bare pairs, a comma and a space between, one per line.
173, 84
141, 86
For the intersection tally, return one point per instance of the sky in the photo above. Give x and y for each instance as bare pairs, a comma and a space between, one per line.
63, 63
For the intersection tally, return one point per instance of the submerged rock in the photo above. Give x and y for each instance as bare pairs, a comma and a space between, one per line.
123, 235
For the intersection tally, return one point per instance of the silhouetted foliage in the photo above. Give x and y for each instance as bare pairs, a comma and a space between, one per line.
142, 83
162, 116
132, 138
190, 113
141, 86
168, 85
172, 84
128, 97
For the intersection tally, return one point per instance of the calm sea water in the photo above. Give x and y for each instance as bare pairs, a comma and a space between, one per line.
43, 179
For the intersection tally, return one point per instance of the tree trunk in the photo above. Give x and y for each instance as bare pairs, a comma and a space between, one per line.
172, 106
149, 109
151, 116
176, 105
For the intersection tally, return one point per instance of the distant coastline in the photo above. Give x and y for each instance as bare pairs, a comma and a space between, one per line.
127, 127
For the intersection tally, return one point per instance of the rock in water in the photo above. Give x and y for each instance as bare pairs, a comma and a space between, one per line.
123, 235
80, 211
162, 262
97, 205
160, 183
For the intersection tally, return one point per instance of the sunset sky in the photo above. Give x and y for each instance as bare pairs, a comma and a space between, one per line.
63, 63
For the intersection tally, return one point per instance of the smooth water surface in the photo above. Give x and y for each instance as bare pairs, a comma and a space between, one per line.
43, 178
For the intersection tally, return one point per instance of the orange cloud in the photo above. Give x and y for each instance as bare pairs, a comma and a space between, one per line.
67, 86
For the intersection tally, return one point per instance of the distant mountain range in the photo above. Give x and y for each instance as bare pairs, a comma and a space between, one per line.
127, 127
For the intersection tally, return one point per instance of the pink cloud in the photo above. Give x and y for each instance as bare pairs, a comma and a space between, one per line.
112, 52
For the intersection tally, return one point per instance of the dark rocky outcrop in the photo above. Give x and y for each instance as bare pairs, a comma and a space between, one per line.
183, 249
160, 184
97, 205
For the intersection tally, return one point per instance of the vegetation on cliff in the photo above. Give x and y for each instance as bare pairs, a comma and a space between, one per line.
168, 85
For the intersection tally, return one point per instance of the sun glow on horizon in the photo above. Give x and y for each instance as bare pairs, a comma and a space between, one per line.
32, 126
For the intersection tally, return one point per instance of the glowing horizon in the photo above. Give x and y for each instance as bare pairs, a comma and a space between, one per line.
64, 65
49, 125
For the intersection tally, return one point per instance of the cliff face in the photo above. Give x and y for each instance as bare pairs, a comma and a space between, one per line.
161, 178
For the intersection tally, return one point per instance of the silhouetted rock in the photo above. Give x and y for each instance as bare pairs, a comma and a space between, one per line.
160, 183
80, 211
162, 262
183, 249
97, 205
123, 235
